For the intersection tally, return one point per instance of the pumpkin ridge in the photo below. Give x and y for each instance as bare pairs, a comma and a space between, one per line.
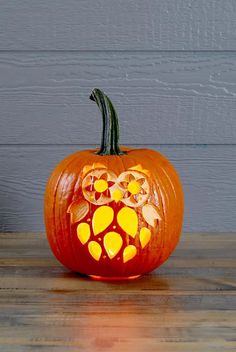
166, 239
55, 196
159, 192
70, 235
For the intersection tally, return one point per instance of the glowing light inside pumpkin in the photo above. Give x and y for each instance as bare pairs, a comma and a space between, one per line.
128, 220
100, 185
95, 250
131, 183
112, 243
83, 232
134, 187
145, 235
102, 218
129, 253
117, 195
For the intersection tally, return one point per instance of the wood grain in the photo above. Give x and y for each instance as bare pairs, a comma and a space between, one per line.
208, 174
118, 25
186, 305
161, 98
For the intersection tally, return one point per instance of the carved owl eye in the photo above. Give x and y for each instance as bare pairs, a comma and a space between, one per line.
135, 188
98, 185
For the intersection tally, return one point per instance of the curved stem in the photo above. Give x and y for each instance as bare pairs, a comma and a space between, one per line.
110, 131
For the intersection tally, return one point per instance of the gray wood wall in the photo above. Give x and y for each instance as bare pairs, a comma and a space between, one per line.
168, 65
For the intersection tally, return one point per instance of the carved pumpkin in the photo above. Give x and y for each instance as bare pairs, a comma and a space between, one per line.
113, 213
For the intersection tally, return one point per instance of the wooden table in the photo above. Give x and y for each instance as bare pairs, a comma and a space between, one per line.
186, 305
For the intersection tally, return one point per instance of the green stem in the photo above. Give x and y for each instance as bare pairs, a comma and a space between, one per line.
110, 131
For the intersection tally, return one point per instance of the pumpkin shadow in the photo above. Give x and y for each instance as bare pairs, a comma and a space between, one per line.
147, 282
152, 281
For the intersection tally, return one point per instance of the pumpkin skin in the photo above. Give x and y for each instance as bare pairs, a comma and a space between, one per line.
113, 215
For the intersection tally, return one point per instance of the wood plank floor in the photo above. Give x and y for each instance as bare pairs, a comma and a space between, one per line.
186, 305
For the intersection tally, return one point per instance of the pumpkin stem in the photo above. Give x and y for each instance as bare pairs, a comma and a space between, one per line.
110, 131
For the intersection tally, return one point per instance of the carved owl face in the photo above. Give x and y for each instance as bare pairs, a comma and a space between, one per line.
115, 217
102, 186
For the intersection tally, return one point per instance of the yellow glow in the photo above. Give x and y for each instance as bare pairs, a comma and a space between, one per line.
83, 232
112, 243
145, 235
117, 195
88, 168
134, 187
95, 250
128, 220
100, 185
129, 252
98, 166
102, 218
139, 168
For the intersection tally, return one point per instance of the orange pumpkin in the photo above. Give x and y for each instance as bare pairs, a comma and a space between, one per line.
113, 213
